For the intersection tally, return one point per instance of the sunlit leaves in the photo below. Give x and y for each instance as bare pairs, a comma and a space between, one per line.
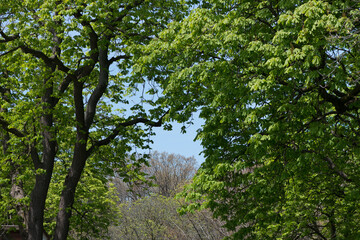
273, 82
61, 62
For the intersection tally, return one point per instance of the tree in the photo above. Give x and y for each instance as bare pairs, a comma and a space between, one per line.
277, 83
94, 208
156, 217
150, 212
63, 66
170, 172
164, 174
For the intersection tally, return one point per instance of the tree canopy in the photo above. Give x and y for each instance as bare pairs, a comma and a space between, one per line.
63, 72
277, 83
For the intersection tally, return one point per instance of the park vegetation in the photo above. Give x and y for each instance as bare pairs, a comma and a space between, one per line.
83, 83
148, 210
277, 83
65, 115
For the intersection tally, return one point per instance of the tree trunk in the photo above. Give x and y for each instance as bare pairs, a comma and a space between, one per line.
75, 171
37, 206
39, 193
68, 194
42, 183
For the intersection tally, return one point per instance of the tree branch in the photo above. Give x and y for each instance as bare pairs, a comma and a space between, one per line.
5, 125
332, 166
114, 59
127, 8
35, 156
351, 95
336, 102
94, 38
336, 170
116, 130
51, 62
7, 38
10, 51
100, 88
317, 231
56, 50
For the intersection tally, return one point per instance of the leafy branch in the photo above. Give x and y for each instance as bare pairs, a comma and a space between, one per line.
119, 126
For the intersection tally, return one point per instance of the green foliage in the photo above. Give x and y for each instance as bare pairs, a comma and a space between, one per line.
94, 209
277, 85
63, 70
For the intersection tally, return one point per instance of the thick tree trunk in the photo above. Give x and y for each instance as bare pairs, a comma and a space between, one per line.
42, 183
68, 194
37, 206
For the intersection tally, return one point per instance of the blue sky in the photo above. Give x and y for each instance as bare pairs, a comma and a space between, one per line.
173, 141
179, 143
